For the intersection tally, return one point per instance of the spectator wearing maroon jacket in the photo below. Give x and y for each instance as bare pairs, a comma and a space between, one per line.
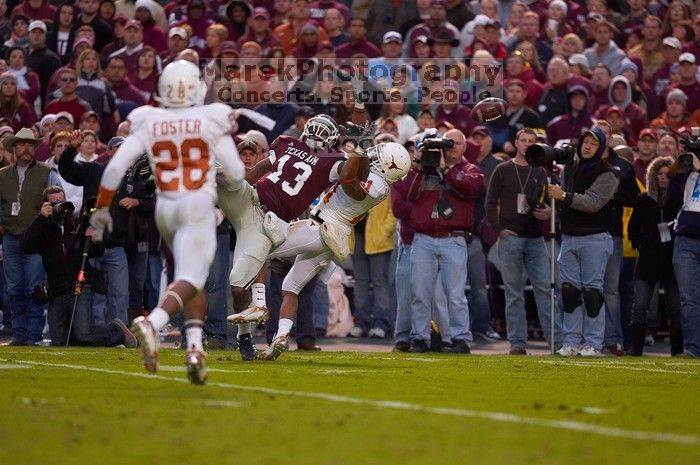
152, 34
671, 50
430, 26
687, 70
518, 68
646, 145
600, 83
620, 94
358, 43
146, 76
90, 122
126, 95
452, 111
133, 43
237, 14
69, 100
27, 80
258, 30
119, 23
577, 119
636, 16
40, 10
12, 105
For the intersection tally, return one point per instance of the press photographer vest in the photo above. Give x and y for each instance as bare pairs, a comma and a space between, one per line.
35, 181
578, 223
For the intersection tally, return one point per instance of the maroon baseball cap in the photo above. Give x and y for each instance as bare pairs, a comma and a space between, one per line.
87, 115
615, 109
133, 23
228, 47
326, 44
483, 130
648, 132
260, 11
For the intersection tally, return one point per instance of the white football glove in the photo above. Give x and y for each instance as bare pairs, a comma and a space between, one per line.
100, 220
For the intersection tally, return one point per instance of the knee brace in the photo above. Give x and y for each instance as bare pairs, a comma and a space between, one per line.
571, 297
593, 300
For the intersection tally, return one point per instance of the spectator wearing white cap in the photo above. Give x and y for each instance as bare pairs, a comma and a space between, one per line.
382, 68
671, 50
579, 66
675, 116
687, 72
40, 59
178, 39
133, 43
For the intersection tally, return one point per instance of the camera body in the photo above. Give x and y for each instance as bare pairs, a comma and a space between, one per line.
691, 143
431, 147
546, 155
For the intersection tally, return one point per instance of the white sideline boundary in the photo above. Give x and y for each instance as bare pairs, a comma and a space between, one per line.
616, 366
566, 425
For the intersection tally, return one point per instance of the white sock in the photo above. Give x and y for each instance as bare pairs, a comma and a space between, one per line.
158, 318
243, 329
284, 326
193, 333
258, 292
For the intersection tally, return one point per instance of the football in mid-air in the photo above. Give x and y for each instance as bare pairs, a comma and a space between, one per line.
488, 110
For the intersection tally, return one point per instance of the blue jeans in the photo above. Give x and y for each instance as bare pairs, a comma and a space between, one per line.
582, 262
686, 262
479, 309
402, 330
305, 330
449, 256
22, 273
530, 254
138, 267
153, 277
375, 311
85, 332
611, 292
320, 304
115, 265
217, 289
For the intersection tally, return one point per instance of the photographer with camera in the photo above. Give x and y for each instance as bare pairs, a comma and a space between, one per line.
586, 201
60, 241
516, 209
684, 196
442, 189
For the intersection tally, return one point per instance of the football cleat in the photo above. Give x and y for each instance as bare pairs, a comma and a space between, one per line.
148, 342
246, 347
196, 368
249, 315
279, 344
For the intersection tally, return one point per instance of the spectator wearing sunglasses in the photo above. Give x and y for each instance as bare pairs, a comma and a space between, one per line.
69, 100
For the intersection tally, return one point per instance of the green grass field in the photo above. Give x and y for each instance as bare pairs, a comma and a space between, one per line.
79, 406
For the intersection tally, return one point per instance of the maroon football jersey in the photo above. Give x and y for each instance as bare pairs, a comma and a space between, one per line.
298, 176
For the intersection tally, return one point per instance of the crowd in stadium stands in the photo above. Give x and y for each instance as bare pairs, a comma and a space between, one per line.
625, 70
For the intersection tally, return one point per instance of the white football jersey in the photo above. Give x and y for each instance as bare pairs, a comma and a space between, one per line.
339, 208
184, 144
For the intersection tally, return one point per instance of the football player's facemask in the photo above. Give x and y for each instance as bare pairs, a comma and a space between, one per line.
179, 85
320, 132
390, 160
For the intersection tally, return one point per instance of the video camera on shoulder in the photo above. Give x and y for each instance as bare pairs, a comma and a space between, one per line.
431, 147
691, 143
546, 155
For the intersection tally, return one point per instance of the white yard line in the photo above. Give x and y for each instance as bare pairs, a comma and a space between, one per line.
616, 366
567, 425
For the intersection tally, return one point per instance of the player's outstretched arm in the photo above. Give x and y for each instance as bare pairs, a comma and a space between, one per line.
255, 173
227, 156
349, 179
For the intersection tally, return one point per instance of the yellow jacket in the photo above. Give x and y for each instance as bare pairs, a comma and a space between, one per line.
380, 231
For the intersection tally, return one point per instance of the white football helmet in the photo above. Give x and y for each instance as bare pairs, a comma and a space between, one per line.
390, 160
320, 132
179, 85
